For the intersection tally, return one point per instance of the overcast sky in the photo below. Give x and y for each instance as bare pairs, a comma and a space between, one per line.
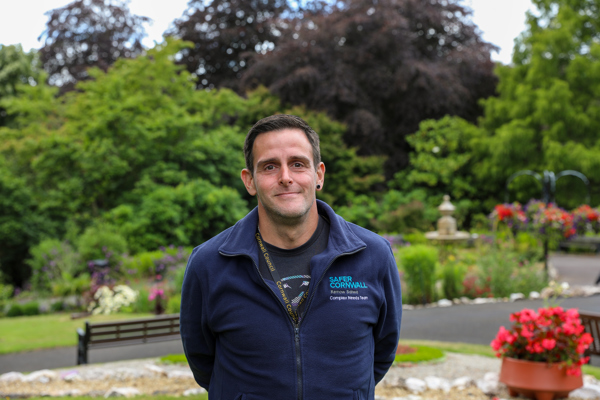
22, 21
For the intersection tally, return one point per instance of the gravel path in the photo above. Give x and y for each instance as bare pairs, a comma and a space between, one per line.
149, 376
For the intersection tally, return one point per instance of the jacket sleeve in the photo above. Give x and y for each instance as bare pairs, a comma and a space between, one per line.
198, 340
387, 330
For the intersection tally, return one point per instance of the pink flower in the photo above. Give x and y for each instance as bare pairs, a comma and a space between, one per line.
548, 344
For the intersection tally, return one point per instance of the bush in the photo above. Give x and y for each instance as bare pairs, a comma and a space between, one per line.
452, 277
504, 274
102, 242
50, 259
174, 305
142, 304
418, 263
31, 308
15, 310
178, 280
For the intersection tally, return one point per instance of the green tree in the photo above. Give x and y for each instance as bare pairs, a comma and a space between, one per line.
138, 150
17, 67
442, 162
547, 115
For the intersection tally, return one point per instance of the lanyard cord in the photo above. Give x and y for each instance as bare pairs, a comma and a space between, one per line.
277, 279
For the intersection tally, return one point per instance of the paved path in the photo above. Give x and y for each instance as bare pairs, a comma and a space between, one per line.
464, 323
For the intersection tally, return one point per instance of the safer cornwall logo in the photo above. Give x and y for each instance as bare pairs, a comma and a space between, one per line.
345, 282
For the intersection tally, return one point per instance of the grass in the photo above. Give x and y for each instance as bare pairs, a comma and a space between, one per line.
423, 354
47, 331
174, 359
464, 348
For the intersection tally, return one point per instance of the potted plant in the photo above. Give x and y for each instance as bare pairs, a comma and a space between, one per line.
542, 353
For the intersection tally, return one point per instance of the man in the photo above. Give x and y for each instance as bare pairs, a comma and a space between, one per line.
292, 302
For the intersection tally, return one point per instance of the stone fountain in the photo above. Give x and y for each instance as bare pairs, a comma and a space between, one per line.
446, 225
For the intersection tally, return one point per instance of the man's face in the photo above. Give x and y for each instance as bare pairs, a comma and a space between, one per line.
285, 177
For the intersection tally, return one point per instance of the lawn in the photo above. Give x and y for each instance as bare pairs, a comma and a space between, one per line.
47, 331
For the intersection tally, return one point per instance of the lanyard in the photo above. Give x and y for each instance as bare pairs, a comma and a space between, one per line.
277, 279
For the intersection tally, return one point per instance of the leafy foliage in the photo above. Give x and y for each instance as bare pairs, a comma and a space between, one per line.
418, 263
137, 158
546, 116
88, 33
224, 33
381, 68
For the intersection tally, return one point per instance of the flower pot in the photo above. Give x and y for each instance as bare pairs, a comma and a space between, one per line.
537, 380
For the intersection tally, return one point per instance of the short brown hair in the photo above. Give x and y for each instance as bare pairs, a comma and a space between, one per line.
279, 122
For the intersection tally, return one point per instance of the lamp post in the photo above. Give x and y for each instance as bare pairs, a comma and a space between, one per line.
548, 181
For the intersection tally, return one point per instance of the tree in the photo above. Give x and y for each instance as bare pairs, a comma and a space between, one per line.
16, 68
224, 32
138, 149
88, 33
381, 67
547, 115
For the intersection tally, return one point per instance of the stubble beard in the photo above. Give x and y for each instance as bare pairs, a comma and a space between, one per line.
291, 218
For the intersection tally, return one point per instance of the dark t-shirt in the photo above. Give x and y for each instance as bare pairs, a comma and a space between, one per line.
293, 265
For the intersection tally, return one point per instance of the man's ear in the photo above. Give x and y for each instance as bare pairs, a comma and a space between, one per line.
248, 180
321, 175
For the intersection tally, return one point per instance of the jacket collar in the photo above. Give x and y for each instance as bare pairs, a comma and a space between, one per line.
241, 240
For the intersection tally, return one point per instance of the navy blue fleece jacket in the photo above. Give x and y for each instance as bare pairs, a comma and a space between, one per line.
241, 343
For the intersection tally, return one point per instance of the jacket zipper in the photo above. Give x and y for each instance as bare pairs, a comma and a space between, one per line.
296, 326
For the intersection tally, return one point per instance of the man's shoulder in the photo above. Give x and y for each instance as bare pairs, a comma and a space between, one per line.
210, 248
369, 237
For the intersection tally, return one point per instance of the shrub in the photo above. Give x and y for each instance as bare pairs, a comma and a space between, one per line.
50, 259
174, 305
418, 263
452, 278
31, 308
178, 280
102, 242
15, 310
142, 304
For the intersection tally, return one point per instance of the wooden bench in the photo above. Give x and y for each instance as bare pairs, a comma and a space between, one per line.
591, 322
581, 242
124, 333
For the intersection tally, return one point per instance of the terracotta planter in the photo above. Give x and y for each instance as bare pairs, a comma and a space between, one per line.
537, 380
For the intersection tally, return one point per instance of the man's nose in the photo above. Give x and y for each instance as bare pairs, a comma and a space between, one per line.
285, 177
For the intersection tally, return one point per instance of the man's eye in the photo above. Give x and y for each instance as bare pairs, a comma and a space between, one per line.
270, 167
298, 165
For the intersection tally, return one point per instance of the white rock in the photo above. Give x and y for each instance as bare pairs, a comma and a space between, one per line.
393, 380
194, 392
481, 300
489, 383
408, 307
72, 376
435, 383
465, 300
12, 377
156, 369
67, 393
42, 376
534, 295
456, 301
122, 392
462, 383
444, 303
516, 296
180, 374
586, 379
415, 385
585, 393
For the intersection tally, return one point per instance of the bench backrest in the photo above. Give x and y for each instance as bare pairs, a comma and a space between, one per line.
115, 333
591, 322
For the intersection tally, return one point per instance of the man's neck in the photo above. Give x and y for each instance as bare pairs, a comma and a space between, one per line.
288, 236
